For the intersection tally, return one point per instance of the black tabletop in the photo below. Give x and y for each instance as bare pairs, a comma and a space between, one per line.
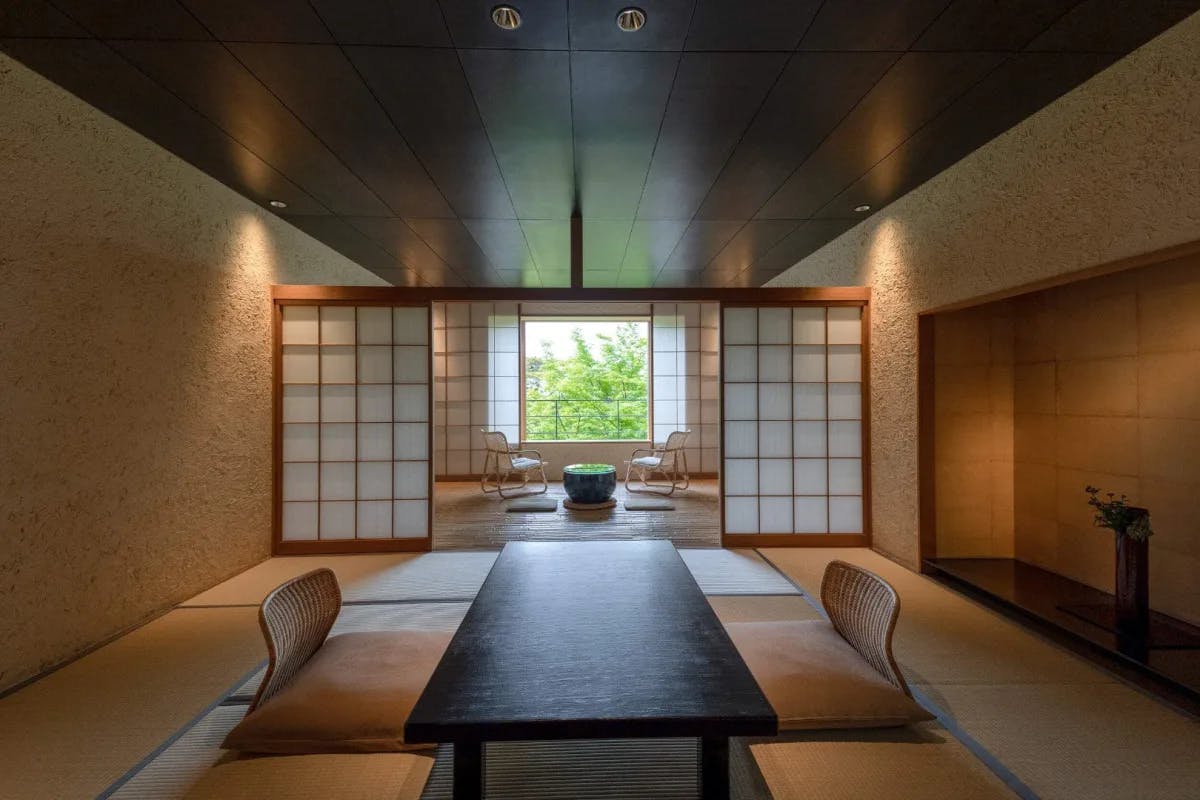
576, 640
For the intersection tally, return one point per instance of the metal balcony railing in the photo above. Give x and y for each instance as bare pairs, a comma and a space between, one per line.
573, 419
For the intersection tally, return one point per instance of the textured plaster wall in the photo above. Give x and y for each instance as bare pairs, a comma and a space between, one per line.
135, 410
1105, 172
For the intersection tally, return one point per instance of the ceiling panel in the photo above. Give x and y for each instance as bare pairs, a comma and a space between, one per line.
808, 237
1113, 26
750, 24
675, 278
549, 244
543, 25
451, 240
207, 77
619, 100
812, 96
700, 243
398, 238
428, 98
756, 238
870, 24
93, 70
260, 20
554, 280
35, 18
134, 19
720, 144
343, 237
601, 280
910, 94
593, 25
503, 242
971, 24
651, 243
604, 243
414, 23
714, 98
1014, 90
524, 99
320, 86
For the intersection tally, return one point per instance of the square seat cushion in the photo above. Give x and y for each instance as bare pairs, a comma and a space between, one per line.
524, 464
814, 679
353, 696
647, 461
375, 776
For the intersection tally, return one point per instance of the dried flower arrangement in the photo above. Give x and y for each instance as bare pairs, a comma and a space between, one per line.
1117, 515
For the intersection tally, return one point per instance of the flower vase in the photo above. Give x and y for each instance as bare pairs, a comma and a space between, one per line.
1132, 586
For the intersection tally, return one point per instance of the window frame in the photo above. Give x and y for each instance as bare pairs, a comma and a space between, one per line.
646, 319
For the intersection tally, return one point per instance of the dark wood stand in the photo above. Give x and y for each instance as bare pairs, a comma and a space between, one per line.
1165, 660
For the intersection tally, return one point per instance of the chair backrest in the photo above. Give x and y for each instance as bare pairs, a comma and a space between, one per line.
675, 442
496, 443
863, 608
295, 619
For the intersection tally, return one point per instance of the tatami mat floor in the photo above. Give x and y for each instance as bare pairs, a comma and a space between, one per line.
1064, 728
1014, 705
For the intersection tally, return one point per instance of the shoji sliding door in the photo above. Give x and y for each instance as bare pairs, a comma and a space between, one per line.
477, 380
793, 433
353, 428
685, 340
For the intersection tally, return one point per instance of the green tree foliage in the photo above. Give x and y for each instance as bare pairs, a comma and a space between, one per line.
590, 395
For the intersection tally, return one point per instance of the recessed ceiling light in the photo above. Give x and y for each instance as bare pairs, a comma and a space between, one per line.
631, 19
862, 208
506, 17
278, 204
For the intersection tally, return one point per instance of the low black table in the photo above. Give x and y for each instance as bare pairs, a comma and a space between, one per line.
590, 640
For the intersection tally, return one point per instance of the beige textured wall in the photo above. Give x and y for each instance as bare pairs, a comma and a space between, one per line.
1107, 392
1105, 172
973, 431
135, 417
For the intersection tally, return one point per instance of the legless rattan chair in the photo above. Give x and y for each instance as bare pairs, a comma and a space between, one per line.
295, 618
500, 461
863, 609
669, 461
349, 693
835, 674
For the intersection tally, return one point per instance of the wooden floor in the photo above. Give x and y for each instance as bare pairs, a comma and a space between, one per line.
465, 518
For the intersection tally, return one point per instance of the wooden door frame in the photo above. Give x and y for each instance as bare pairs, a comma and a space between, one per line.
393, 296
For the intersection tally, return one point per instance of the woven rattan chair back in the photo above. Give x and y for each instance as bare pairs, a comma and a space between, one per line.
863, 608
672, 447
496, 445
295, 619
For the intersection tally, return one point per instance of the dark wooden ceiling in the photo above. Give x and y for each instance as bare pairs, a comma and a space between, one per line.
719, 145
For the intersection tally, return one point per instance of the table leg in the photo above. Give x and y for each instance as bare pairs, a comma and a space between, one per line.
468, 770
714, 768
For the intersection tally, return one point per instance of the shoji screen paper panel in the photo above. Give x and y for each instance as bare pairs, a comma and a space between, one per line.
686, 374
793, 420
354, 428
477, 382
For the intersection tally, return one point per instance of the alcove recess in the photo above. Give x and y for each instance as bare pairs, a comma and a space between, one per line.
1027, 400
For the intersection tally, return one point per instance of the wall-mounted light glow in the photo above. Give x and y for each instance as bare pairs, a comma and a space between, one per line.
277, 204
862, 208
506, 17
631, 19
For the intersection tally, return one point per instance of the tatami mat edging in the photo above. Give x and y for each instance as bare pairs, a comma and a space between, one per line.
951, 726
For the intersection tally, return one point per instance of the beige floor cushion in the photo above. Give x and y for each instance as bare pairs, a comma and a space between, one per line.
378, 776
353, 696
814, 679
